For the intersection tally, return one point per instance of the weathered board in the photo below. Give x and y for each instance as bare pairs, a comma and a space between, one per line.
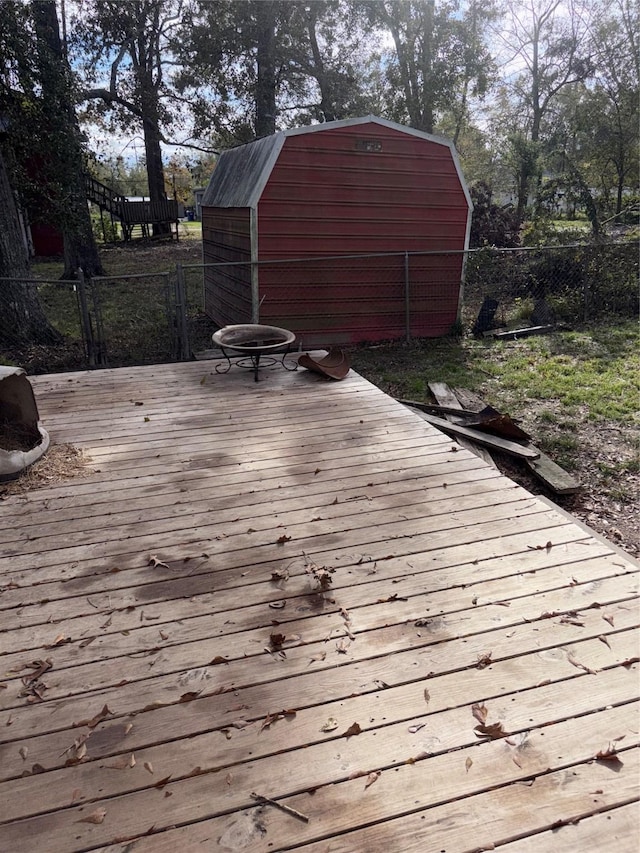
167, 651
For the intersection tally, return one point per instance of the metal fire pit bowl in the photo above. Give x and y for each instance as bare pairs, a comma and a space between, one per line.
253, 341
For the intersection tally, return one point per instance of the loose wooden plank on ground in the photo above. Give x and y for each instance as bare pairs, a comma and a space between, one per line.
445, 396
493, 441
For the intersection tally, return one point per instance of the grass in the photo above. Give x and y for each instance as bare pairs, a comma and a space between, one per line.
592, 370
577, 392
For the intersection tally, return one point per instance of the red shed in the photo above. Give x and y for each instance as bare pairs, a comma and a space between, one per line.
342, 232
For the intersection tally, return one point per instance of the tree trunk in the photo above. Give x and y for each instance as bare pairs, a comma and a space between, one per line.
428, 16
151, 131
327, 99
153, 154
80, 250
22, 320
266, 82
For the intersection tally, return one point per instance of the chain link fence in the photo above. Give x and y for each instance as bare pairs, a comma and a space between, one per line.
570, 284
112, 321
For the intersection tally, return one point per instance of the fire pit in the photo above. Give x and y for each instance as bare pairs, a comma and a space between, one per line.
253, 341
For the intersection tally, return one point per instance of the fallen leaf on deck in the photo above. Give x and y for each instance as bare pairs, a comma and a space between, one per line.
204, 379
86, 642
148, 766
190, 696
128, 728
277, 605
330, 726
282, 539
484, 660
217, 660
24, 751
491, 731
280, 575
276, 640
132, 760
467, 764
571, 618
156, 561
162, 782
604, 640
394, 597
39, 668
280, 715
99, 717
371, 778
416, 728
317, 657
354, 729
240, 724
608, 618
75, 796
479, 711
120, 763
60, 640
427, 696
610, 756
77, 750
317, 471
579, 665
628, 663
342, 646
95, 817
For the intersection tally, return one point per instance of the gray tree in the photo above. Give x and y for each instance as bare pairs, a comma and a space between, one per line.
544, 43
439, 57
134, 40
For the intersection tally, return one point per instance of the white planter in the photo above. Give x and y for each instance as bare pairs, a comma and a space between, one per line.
18, 407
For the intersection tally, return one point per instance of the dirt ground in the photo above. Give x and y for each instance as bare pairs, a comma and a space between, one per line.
609, 504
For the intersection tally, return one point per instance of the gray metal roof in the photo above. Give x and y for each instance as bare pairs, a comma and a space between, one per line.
241, 173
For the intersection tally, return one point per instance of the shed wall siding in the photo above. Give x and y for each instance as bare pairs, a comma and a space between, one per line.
328, 196
226, 239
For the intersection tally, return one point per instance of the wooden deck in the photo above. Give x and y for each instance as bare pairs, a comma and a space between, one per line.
468, 681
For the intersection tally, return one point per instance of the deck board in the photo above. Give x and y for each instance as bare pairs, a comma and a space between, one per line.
451, 585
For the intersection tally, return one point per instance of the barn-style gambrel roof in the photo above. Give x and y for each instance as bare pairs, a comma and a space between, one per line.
242, 173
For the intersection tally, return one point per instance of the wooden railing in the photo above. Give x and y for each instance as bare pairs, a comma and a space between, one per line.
130, 212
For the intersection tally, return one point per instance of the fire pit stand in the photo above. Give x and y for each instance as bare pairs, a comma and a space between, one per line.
255, 342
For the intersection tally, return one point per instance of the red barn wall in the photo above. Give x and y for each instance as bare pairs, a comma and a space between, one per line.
47, 240
226, 238
355, 190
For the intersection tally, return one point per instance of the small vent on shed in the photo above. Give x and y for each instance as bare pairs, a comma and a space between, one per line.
368, 145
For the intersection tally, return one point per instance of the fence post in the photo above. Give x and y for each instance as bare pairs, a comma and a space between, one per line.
85, 320
182, 330
585, 296
407, 299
